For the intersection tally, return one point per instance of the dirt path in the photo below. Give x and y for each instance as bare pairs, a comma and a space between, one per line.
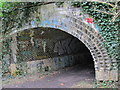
65, 79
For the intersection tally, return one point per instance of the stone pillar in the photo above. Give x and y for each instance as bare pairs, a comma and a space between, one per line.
102, 75
14, 53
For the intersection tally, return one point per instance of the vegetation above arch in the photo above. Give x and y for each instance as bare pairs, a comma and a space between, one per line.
105, 14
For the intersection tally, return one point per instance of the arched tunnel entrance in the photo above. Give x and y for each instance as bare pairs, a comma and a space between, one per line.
46, 49
50, 43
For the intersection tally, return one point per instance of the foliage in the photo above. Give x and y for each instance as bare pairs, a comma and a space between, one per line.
17, 72
6, 53
106, 21
17, 13
105, 84
106, 15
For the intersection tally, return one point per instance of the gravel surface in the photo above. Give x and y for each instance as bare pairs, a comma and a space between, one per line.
66, 78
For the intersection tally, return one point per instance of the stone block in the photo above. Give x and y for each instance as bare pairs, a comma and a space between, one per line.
12, 68
32, 67
114, 75
106, 75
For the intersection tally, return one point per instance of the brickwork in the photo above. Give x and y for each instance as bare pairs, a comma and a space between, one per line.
70, 21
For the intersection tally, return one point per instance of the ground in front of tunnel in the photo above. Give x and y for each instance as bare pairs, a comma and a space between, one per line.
72, 77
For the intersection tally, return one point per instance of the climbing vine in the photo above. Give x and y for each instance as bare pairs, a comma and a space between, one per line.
105, 15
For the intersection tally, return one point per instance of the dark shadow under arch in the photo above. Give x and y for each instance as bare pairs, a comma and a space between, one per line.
66, 45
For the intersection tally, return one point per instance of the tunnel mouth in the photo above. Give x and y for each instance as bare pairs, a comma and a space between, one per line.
54, 49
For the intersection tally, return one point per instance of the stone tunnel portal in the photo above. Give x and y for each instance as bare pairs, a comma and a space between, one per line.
68, 20
46, 49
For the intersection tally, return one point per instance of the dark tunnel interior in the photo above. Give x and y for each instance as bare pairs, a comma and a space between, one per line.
51, 43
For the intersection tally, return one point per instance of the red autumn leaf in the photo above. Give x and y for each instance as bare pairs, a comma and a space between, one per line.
61, 84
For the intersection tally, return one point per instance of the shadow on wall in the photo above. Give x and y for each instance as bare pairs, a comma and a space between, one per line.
46, 49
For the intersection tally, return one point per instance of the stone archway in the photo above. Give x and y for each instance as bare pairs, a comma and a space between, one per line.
69, 21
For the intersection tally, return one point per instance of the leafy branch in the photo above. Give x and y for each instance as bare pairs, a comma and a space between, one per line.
115, 10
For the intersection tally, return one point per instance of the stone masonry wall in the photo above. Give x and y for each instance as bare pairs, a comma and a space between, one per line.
51, 64
51, 50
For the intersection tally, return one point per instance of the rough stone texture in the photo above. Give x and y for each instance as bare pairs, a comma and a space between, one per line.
69, 21
12, 68
14, 48
50, 63
0, 75
107, 75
